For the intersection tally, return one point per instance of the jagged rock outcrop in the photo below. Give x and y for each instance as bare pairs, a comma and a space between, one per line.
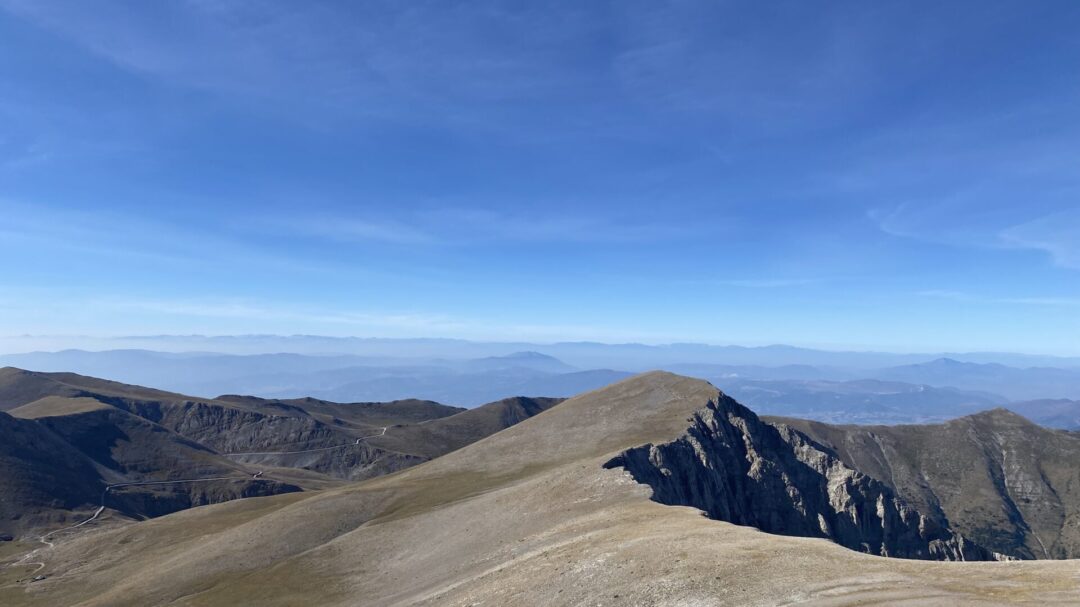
738, 468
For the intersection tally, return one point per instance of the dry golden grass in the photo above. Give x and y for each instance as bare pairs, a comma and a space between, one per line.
53, 406
525, 517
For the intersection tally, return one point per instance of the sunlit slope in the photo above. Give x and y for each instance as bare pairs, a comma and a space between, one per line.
528, 516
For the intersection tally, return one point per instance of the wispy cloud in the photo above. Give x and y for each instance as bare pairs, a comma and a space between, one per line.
127, 238
769, 283
970, 222
464, 227
34, 154
964, 296
1057, 234
292, 319
249, 309
40, 227
488, 226
351, 229
327, 61
451, 64
965, 217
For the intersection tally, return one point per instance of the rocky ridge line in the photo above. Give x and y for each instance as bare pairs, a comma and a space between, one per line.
740, 469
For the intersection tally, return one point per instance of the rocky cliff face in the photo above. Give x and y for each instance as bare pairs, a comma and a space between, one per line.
739, 469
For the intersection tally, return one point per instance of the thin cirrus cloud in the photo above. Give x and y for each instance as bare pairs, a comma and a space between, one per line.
230, 308
764, 282
349, 229
972, 223
1057, 234
490, 226
968, 215
421, 62
314, 55
125, 238
963, 296
465, 227
770, 283
173, 42
348, 322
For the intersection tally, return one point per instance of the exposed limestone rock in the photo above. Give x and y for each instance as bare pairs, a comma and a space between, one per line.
737, 468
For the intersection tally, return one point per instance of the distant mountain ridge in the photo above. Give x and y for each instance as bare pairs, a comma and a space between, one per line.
1012, 382
931, 390
863, 401
628, 356
342, 378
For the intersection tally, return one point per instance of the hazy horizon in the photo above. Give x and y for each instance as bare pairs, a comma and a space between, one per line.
309, 344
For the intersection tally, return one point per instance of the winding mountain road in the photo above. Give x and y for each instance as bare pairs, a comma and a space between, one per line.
44, 539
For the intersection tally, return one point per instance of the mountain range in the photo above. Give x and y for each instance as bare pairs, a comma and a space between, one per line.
934, 390
583, 355
652, 491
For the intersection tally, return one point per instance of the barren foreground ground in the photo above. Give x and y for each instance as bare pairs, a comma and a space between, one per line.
525, 517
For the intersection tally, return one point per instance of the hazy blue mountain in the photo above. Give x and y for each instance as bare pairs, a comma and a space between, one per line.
1053, 413
467, 389
583, 355
859, 401
525, 360
721, 373
927, 391
179, 371
466, 382
1016, 383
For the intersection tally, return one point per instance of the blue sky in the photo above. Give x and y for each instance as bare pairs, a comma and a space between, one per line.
849, 174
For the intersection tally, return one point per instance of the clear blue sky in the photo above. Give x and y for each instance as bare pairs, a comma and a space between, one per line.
862, 174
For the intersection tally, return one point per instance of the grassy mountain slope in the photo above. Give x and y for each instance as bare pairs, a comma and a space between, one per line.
527, 516
1001, 480
46, 481
450, 433
130, 434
